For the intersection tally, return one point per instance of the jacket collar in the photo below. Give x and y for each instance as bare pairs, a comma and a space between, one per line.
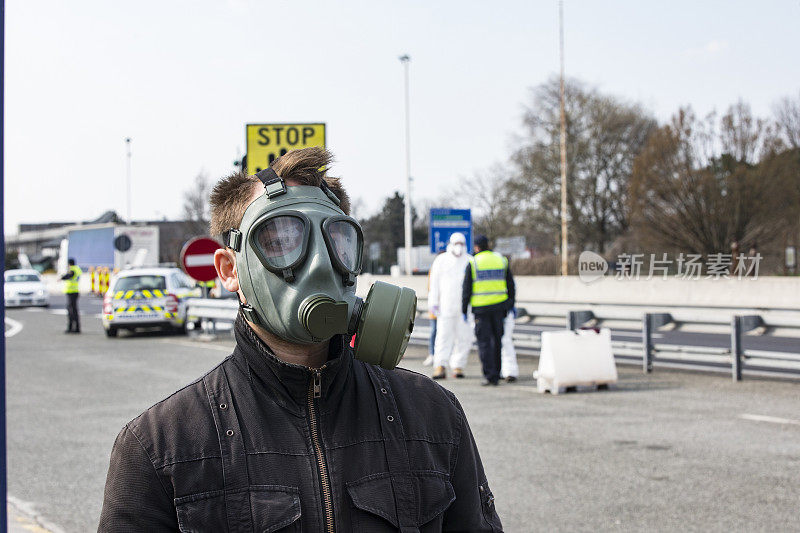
287, 383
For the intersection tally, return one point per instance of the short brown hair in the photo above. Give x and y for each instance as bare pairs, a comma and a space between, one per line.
232, 194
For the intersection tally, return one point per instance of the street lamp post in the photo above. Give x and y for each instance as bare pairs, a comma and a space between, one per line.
564, 243
128, 148
406, 59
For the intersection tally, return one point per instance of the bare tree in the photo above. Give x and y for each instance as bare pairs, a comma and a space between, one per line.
196, 204
743, 136
487, 195
787, 119
604, 135
697, 185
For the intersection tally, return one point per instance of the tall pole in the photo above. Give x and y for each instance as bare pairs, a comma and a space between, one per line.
564, 244
405, 59
128, 147
3, 462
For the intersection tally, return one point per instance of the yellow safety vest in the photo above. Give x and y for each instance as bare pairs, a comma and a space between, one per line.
71, 285
488, 279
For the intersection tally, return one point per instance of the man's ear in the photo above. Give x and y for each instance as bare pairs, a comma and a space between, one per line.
225, 263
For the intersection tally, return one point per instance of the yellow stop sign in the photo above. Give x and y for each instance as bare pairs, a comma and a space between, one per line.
267, 142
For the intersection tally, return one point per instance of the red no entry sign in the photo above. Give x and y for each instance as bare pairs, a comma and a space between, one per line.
197, 258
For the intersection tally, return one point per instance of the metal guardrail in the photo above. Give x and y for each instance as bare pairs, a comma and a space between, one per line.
216, 309
210, 311
737, 322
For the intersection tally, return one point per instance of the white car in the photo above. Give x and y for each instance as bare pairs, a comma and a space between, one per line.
147, 298
25, 287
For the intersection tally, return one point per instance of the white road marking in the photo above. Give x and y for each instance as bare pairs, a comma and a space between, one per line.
59, 311
199, 260
14, 327
771, 419
200, 345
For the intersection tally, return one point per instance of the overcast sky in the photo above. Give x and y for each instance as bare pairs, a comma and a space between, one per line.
182, 78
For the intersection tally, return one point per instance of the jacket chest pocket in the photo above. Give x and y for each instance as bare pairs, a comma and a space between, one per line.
260, 508
375, 505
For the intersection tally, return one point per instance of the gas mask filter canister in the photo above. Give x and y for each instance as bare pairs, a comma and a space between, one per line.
297, 257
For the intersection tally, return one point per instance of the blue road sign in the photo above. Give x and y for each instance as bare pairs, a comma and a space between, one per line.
445, 222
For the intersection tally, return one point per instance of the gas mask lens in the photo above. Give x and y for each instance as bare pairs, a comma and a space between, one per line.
281, 240
345, 242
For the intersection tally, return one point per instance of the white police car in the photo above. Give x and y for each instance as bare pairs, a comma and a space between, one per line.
24, 286
147, 298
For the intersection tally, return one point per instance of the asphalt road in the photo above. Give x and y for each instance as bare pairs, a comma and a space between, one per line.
665, 452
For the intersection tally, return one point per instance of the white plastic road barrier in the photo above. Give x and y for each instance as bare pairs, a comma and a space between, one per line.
575, 358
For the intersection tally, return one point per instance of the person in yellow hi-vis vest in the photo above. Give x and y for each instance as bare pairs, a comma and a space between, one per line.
71, 289
207, 287
489, 288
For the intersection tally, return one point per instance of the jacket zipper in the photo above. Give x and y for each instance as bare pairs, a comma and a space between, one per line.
315, 391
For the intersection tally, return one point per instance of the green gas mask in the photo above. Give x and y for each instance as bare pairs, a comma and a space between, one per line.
298, 256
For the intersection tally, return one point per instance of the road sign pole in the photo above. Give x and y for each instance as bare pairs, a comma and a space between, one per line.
128, 149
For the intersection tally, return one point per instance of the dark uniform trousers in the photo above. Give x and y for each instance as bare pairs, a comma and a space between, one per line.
73, 317
489, 332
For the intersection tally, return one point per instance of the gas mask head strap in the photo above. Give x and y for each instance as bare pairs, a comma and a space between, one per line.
232, 239
273, 184
249, 313
329, 193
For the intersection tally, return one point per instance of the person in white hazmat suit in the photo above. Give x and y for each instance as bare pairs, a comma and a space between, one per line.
453, 333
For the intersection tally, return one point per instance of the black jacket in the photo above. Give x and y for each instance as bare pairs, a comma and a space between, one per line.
258, 444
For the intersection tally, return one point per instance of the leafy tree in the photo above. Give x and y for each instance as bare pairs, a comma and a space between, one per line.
387, 227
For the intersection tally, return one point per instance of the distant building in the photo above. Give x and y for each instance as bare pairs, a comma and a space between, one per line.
93, 240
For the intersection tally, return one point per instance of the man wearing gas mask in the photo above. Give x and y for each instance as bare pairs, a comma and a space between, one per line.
296, 430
